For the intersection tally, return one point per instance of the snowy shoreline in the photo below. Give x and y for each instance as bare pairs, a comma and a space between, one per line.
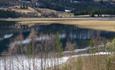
25, 63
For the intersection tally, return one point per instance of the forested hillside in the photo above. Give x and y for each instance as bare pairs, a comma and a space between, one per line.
78, 7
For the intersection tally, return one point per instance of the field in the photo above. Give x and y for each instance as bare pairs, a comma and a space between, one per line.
96, 62
104, 24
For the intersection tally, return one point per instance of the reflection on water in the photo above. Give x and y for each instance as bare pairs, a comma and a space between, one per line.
12, 34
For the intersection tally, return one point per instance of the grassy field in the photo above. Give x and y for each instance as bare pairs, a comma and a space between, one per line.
89, 24
90, 63
104, 24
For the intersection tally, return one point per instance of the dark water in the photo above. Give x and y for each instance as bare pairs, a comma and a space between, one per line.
10, 30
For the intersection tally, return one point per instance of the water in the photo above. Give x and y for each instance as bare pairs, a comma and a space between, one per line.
9, 31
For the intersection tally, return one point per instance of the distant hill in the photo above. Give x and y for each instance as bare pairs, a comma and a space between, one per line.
82, 7
6, 1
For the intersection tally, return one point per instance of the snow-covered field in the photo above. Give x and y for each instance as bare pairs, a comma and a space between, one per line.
26, 63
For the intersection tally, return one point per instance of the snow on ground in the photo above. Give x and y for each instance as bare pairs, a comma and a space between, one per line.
97, 53
28, 40
6, 36
25, 63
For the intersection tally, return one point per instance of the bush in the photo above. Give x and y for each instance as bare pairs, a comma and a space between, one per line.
8, 14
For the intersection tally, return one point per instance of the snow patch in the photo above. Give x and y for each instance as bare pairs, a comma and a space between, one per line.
8, 36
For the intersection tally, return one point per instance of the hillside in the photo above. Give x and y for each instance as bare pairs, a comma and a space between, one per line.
89, 63
7, 1
78, 7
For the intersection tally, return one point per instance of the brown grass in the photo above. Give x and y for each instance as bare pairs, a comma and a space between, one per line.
90, 63
104, 25
89, 23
